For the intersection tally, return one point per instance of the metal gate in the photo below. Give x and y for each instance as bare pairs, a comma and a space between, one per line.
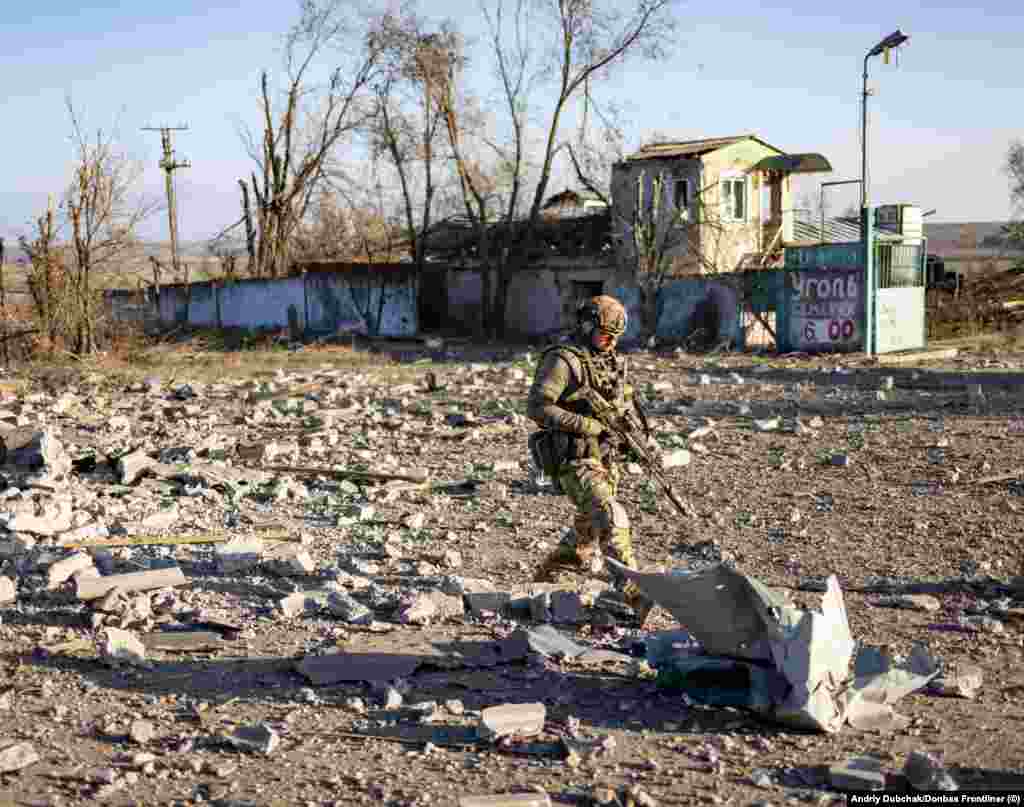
899, 297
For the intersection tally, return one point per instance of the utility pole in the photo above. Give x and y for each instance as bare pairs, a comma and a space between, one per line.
170, 165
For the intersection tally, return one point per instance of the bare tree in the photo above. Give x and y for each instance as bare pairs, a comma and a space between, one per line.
101, 212
47, 276
294, 150
1014, 167
408, 119
588, 38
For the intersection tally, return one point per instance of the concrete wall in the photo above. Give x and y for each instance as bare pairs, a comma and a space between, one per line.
541, 301
324, 302
362, 296
258, 304
677, 237
464, 287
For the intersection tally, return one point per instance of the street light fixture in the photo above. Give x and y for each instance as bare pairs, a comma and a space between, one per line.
894, 40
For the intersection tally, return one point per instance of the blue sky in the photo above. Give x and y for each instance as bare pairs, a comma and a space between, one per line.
941, 120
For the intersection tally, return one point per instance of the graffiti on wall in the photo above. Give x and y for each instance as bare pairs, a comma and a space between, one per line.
827, 309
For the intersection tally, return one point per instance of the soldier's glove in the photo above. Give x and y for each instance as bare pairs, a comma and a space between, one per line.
591, 427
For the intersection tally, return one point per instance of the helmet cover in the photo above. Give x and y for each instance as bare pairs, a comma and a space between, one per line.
603, 313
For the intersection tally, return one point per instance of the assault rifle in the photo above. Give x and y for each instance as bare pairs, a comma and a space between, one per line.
623, 422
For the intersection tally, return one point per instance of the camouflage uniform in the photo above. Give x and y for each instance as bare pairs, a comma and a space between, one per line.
581, 454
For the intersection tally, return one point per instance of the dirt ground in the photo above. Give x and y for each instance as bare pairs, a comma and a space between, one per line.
933, 491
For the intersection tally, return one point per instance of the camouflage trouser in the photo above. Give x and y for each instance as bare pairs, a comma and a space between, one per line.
601, 524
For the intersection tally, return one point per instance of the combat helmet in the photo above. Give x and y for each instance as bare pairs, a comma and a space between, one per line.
603, 313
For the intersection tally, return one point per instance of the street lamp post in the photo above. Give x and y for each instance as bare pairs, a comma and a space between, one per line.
894, 40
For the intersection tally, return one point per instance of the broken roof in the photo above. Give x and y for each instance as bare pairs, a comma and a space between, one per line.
692, 148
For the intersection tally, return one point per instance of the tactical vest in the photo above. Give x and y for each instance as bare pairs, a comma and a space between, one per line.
599, 372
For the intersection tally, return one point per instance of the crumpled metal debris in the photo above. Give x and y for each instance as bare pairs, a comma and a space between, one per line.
790, 665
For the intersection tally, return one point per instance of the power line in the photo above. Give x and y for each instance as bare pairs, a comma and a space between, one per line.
170, 165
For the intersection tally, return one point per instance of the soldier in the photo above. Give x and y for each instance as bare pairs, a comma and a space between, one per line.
576, 450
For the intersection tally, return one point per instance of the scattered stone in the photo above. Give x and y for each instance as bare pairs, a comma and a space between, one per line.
258, 739
857, 773
521, 719
958, 681
415, 521
302, 602
162, 519
677, 459
122, 646
507, 800
8, 591
141, 732
93, 588
239, 554
768, 425
480, 601
14, 544
925, 771
346, 608
983, 623
427, 607
393, 699
133, 466
289, 560
451, 559
17, 757
62, 570
911, 602
39, 452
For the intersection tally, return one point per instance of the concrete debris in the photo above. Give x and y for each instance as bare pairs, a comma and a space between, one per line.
162, 519
427, 607
258, 739
122, 646
239, 554
131, 467
857, 773
334, 668
289, 560
141, 732
95, 587
911, 602
958, 681
481, 603
676, 459
519, 719
8, 591
348, 609
50, 516
64, 569
39, 453
180, 641
303, 602
925, 771
507, 800
559, 607
17, 757
798, 662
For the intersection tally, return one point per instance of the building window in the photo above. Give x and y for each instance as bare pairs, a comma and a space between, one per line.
681, 194
734, 199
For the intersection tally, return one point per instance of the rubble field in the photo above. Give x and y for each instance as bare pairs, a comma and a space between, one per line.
311, 585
